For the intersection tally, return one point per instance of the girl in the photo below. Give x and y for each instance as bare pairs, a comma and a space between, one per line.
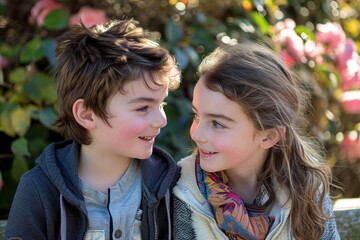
254, 175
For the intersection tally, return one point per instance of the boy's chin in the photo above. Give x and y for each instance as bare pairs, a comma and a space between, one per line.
144, 155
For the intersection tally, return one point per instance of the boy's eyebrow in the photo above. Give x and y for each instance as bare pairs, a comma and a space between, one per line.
144, 99
215, 115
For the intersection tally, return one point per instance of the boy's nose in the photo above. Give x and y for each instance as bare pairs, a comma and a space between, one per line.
159, 120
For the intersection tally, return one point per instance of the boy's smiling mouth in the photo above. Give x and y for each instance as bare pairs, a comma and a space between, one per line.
147, 138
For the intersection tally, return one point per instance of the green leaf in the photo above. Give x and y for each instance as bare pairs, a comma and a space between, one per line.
19, 167
48, 47
5, 50
47, 88
1, 77
20, 121
20, 147
5, 120
260, 21
37, 145
301, 29
47, 117
32, 51
57, 19
173, 33
193, 56
32, 88
17, 75
182, 57
10, 51
41, 88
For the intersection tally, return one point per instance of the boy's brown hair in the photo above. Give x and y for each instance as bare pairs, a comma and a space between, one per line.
95, 63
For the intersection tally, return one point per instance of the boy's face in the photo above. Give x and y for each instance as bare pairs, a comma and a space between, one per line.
136, 118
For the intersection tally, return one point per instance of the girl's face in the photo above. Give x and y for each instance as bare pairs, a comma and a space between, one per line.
225, 136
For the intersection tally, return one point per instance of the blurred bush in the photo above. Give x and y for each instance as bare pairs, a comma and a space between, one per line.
318, 39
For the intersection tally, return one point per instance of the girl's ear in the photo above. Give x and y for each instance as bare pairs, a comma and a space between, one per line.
271, 136
84, 116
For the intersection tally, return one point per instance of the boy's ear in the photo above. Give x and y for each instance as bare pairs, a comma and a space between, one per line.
270, 137
84, 116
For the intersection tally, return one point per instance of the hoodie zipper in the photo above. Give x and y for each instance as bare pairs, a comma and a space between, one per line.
155, 220
154, 212
111, 219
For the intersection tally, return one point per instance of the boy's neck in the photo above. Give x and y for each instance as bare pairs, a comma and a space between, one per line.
99, 171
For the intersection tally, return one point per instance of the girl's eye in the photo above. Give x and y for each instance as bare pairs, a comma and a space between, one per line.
216, 124
142, 109
163, 104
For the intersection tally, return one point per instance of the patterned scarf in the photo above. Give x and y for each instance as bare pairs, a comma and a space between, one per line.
237, 219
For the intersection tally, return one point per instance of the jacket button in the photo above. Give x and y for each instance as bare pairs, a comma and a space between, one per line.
118, 233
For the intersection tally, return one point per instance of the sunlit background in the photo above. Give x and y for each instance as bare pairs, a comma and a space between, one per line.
317, 39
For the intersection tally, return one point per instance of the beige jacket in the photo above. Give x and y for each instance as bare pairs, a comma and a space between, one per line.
202, 219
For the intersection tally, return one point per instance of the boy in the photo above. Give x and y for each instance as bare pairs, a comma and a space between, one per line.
112, 81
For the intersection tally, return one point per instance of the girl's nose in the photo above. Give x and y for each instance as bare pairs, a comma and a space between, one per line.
197, 133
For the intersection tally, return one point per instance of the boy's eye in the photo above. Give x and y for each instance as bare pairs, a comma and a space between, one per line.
217, 124
143, 109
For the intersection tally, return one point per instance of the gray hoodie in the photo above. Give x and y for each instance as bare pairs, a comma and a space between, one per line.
49, 204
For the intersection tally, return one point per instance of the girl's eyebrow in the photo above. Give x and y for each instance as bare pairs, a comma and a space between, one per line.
216, 115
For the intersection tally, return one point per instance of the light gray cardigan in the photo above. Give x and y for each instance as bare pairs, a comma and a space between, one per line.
193, 217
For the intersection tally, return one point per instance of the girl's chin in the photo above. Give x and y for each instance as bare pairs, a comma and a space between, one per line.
207, 168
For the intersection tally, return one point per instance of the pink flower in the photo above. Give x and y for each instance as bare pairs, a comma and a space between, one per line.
350, 79
292, 42
1, 182
330, 34
288, 60
41, 9
314, 51
286, 24
3, 62
351, 146
348, 64
89, 16
344, 52
351, 102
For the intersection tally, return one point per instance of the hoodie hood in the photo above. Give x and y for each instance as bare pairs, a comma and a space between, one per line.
59, 162
159, 174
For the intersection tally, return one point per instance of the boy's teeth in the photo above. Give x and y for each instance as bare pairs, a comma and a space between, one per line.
146, 138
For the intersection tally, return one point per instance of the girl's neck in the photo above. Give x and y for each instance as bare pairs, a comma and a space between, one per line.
101, 172
246, 187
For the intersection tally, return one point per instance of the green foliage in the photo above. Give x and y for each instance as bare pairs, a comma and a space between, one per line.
57, 19
27, 89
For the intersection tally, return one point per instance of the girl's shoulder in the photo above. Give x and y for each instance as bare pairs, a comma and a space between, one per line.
187, 162
186, 186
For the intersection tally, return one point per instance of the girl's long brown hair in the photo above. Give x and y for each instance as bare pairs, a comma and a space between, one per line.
256, 78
